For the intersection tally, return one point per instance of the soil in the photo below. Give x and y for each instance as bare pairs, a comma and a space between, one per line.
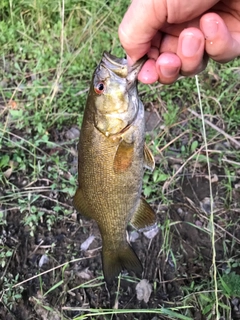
178, 256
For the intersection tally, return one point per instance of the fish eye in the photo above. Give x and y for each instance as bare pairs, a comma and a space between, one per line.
99, 88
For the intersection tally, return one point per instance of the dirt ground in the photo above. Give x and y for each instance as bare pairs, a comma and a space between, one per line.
180, 254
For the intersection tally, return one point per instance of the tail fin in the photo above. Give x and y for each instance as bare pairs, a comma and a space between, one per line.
114, 261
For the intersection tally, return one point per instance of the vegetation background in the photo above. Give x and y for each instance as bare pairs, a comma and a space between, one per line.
48, 52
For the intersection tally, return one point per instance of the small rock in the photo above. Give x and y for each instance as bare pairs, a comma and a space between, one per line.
235, 301
72, 133
180, 211
206, 205
198, 223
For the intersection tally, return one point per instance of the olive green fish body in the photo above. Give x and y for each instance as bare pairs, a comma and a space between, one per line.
111, 165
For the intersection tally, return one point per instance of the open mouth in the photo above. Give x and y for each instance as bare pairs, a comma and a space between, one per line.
116, 65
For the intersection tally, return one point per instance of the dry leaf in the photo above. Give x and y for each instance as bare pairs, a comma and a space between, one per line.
143, 290
9, 171
134, 235
85, 274
12, 104
214, 178
150, 234
85, 245
43, 310
44, 260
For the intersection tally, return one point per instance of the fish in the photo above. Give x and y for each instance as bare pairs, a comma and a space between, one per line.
112, 157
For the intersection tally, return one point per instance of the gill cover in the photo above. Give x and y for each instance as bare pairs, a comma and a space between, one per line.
115, 91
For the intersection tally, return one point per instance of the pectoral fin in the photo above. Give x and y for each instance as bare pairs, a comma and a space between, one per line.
79, 202
144, 216
149, 161
124, 157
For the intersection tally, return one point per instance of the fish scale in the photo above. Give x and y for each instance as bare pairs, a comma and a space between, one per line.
112, 155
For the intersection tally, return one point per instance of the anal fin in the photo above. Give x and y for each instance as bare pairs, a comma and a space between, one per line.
149, 161
144, 217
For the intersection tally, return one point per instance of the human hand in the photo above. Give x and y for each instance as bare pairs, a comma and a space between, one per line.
179, 36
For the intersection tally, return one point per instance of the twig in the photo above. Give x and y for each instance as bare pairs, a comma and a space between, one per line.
230, 161
215, 127
44, 272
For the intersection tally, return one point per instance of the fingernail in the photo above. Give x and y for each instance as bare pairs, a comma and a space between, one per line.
190, 45
210, 29
169, 72
130, 61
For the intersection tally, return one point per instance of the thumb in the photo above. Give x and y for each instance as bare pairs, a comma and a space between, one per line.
139, 26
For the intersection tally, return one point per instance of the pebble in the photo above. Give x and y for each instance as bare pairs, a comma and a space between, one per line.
206, 205
72, 133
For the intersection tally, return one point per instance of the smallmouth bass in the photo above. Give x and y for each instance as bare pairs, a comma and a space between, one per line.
111, 160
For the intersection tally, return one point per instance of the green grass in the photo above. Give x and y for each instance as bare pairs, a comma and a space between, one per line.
48, 54
48, 51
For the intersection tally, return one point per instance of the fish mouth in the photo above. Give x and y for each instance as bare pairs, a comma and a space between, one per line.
120, 67
116, 65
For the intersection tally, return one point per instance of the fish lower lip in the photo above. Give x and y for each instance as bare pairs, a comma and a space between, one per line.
118, 67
